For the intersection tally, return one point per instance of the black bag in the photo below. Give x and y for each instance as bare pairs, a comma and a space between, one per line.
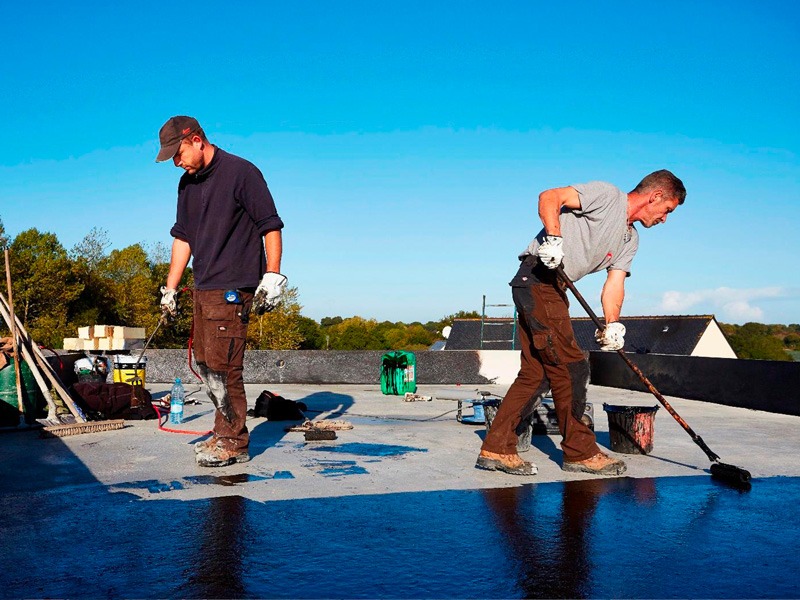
103, 401
277, 408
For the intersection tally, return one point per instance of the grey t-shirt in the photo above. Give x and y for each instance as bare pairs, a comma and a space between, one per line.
596, 236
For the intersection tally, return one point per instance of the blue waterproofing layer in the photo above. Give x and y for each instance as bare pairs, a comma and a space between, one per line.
636, 538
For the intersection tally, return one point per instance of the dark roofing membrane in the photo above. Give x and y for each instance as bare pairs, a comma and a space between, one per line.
675, 537
677, 334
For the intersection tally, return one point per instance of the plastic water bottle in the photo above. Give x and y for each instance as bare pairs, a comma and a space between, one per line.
177, 396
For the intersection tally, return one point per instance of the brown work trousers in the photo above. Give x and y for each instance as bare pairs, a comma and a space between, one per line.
219, 340
550, 360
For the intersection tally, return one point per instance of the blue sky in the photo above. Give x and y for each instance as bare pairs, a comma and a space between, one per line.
406, 143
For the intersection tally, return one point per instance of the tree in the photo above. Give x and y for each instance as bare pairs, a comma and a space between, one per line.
462, 314
792, 341
353, 333
755, 341
43, 284
357, 333
128, 277
313, 338
328, 321
91, 250
95, 303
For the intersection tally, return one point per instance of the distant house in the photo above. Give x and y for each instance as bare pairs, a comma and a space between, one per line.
693, 335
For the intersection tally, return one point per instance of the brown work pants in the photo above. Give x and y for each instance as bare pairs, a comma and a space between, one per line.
550, 359
219, 341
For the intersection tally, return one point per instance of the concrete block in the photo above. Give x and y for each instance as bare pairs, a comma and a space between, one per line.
73, 344
103, 343
128, 333
122, 344
85, 333
90, 344
101, 331
135, 333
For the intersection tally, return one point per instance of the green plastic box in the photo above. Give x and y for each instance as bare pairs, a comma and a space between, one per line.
399, 373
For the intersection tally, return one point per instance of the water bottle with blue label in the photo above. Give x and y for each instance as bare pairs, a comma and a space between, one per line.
177, 397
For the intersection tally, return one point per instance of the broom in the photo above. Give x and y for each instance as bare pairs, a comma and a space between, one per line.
730, 473
39, 366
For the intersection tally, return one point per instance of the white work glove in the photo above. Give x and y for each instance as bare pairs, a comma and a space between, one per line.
551, 252
268, 293
169, 304
612, 337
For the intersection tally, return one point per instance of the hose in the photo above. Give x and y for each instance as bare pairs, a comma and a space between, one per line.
170, 430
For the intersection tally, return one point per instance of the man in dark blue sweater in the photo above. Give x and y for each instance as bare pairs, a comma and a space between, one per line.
226, 221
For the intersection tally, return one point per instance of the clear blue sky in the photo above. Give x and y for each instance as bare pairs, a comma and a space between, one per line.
406, 143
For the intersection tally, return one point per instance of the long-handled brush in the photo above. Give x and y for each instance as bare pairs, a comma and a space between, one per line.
12, 327
39, 366
729, 473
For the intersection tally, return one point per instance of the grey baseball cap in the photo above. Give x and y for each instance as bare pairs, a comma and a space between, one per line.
172, 134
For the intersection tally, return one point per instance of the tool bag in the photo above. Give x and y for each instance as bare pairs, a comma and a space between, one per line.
104, 401
277, 408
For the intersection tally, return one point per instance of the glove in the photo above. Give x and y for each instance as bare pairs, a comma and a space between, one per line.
169, 304
268, 293
612, 337
551, 252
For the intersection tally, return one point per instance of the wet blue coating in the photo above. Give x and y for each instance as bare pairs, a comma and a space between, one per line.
634, 538
362, 449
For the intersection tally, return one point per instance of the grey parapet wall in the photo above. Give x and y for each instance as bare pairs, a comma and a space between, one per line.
757, 384
316, 366
768, 385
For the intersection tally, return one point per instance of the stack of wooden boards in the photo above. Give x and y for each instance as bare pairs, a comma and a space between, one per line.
106, 337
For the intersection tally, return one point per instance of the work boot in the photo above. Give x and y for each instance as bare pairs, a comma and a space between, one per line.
205, 444
599, 464
218, 456
508, 463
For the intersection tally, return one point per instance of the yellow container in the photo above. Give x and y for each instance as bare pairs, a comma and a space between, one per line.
128, 369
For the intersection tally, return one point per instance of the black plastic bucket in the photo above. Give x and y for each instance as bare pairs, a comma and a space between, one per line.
524, 429
631, 428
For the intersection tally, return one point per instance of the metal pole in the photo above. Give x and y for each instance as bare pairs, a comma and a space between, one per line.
483, 316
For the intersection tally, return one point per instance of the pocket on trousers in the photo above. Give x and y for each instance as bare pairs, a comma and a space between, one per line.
556, 307
544, 344
223, 321
225, 340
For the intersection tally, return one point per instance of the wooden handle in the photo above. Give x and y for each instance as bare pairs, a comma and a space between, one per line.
13, 328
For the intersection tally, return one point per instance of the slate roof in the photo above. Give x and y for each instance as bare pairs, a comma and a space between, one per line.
672, 334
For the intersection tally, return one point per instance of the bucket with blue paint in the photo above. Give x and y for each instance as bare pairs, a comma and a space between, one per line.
631, 428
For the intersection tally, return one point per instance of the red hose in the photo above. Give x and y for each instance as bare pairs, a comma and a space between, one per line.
167, 429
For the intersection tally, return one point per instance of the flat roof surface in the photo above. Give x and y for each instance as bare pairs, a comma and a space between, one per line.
395, 508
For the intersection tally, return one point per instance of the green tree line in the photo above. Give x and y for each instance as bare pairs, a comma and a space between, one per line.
764, 342
357, 333
56, 291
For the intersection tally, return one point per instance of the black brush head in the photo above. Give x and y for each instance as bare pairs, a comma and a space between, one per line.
731, 474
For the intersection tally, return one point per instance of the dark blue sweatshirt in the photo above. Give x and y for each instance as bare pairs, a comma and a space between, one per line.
224, 210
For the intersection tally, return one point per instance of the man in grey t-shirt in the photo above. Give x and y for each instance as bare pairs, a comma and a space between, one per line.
590, 227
